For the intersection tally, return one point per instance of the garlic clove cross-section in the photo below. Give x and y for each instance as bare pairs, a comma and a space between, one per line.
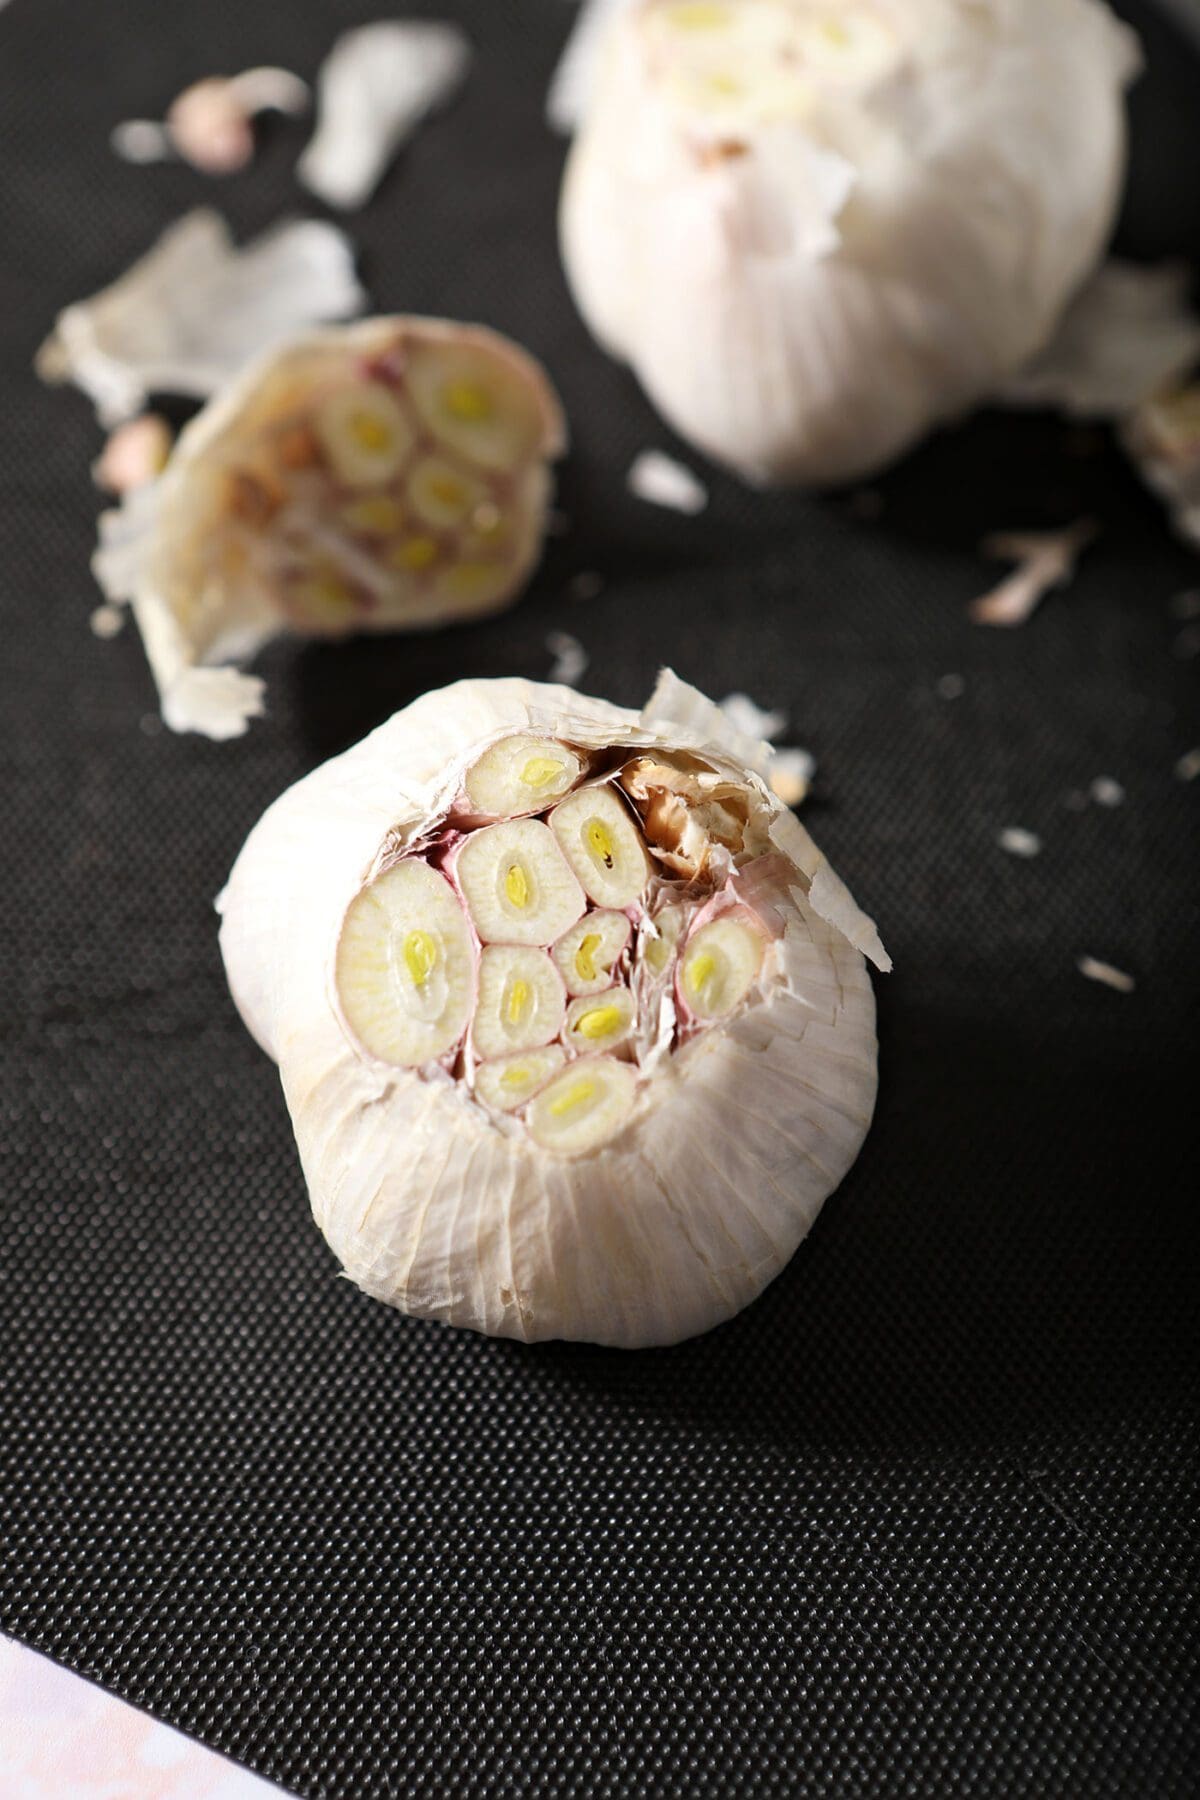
602, 845
516, 883
602, 1100
405, 966
521, 1000
334, 488
719, 963
510, 1082
520, 774
588, 953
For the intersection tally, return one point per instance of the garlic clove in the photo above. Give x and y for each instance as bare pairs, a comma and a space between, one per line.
721, 961
365, 434
376, 515
405, 966
520, 774
517, 884
442, 495
660, 937
584, 1106
587, 954
602, 845
476, 403
521, 1000
508, 1082
600, 1021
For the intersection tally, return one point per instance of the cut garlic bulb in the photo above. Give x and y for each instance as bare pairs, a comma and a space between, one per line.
316, 495
588, 953
520, 774
521, 1000
405, 966
630, 1167
816, 230
602, 845
511, 1081
516, 884
719, 963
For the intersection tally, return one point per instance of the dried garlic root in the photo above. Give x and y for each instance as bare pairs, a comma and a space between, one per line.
383, 476
572, 1016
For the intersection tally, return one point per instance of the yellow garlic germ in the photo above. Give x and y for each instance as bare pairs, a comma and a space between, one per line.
341, 485
587, 1073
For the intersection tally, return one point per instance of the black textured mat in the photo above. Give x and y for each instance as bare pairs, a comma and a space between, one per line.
921, 1521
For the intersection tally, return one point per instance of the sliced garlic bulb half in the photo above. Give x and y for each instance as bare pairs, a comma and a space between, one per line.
383, 476
585, 1071
815, 228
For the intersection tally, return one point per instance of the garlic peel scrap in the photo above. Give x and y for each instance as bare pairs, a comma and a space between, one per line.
191, 312
672, 1186
390, 475
375, 87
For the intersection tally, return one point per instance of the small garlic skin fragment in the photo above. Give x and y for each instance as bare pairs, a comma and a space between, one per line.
197, 309
510, 1081
602, 845
517, 884
587, 954
303, 499
659, 1197
520, 774
376, 85
521, 1000
135, 454
781, 230
405, 966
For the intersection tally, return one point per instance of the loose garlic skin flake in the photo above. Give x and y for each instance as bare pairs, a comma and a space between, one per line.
816, 229
630, 1164
387, 476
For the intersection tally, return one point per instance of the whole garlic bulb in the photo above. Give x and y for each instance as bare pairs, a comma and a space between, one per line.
571, 1015
384, 476
814, 230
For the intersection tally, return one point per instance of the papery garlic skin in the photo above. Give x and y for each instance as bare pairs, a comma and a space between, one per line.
390, 475
631, 1195
814, 232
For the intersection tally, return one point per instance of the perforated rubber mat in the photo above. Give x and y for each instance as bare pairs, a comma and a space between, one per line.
921, 1521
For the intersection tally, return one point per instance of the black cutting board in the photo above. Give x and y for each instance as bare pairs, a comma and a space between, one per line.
923, 1520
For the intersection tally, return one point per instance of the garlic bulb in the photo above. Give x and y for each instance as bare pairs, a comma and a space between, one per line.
385, 476
571, 1015
815, 230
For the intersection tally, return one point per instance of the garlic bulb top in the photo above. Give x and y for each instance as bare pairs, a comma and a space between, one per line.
814, 230
571, 1015
383, 476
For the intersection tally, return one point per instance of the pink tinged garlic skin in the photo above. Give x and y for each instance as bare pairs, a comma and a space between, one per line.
392, 475
135, 454
628, 1164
